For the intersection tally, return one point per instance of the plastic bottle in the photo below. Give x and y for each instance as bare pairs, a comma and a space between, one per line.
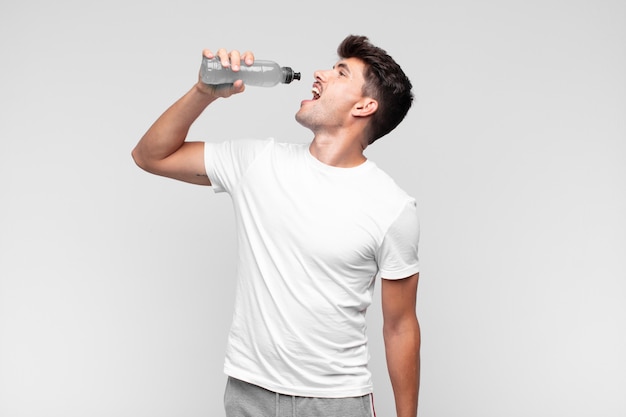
260, 73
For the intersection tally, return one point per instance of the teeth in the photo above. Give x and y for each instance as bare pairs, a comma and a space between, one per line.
316, 92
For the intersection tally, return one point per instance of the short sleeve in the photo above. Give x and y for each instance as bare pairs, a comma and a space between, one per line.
227, 162
397, 256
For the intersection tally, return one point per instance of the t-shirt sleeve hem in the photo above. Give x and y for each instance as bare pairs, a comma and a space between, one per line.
401, 274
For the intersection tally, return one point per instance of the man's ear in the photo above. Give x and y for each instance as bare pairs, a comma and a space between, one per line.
365, 107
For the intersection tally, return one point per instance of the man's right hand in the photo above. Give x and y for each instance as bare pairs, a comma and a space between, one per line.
233, 60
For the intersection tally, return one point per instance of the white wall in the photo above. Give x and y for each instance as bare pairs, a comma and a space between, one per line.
115, 286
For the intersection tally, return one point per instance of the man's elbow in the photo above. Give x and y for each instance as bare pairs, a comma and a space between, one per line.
406, 326
139, 160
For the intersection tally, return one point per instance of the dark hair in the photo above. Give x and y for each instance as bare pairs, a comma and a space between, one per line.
384, 81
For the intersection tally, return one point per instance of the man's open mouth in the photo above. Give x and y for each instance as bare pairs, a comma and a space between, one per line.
316, 92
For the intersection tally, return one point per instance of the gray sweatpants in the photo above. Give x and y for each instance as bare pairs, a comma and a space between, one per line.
242, 399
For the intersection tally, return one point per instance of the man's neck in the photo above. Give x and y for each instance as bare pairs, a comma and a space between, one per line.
338, 152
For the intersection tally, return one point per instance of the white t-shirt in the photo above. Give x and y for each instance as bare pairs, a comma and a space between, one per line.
312, 239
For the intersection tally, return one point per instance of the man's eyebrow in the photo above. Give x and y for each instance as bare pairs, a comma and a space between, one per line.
342, 65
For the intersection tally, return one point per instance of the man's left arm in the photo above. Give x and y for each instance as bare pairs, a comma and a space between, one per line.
401, 333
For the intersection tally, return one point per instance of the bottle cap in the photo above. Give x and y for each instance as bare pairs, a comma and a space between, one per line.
290, 75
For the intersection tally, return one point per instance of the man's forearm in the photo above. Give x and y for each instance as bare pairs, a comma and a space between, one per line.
169, 131
402, 348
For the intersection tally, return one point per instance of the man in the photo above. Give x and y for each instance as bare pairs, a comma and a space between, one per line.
317, 224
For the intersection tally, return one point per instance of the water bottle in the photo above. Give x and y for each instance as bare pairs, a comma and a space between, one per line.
261, 73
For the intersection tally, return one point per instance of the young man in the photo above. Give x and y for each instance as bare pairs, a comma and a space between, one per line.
317, 225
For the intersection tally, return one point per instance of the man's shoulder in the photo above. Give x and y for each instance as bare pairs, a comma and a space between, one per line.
385, 183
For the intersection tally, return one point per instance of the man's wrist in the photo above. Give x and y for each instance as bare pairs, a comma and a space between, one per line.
206, 91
